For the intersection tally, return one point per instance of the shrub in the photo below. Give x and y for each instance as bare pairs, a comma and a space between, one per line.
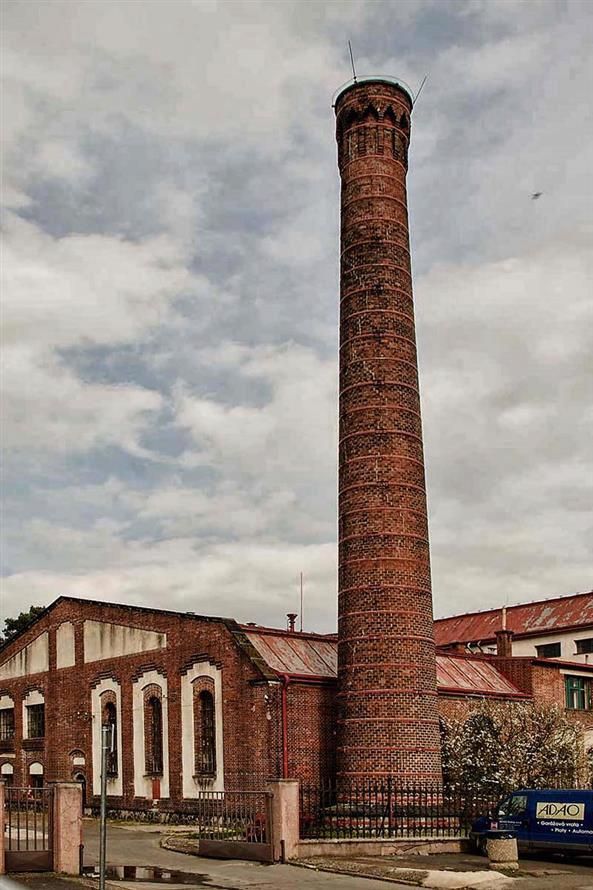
501, 747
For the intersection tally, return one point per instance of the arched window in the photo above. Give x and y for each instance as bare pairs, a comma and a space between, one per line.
7, 773
81, 779
36, 775
207, 752
154, 736
110, 719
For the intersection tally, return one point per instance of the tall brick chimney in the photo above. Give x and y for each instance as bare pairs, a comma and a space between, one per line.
388, 718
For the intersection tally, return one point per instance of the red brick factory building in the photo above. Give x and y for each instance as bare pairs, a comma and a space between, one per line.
204, 703
207, 704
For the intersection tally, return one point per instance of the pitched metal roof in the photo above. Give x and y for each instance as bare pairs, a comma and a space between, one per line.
472, 676
526, 619
308, 655
294, 653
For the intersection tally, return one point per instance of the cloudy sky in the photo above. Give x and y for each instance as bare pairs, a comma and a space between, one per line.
171, 289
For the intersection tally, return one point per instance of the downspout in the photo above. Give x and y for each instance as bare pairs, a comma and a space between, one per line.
284, 708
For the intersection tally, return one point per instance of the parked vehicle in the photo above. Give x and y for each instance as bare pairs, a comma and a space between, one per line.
553, 820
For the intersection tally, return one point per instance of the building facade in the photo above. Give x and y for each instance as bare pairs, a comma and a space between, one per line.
194, 705
560, 628
201, 704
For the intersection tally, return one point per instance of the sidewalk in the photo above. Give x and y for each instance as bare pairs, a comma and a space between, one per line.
42, 881
449, 871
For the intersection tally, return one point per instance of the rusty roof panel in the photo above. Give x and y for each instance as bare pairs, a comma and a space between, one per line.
472, 676
293, 654
289, 653
545, 616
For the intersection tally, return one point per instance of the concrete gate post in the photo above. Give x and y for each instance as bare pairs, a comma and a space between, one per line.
285, 818
67, 827
2, 867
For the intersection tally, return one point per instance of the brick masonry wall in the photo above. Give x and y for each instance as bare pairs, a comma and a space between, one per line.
311, 735
252, 713
388, 720
545, 684
518, 671
250, 755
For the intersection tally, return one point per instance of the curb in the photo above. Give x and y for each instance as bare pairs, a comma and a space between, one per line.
358, 874
164, 845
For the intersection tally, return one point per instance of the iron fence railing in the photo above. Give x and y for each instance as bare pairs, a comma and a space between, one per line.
28, 818
388, 809
232, 816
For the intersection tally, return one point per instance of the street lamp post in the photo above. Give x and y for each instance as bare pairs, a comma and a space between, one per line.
107, 740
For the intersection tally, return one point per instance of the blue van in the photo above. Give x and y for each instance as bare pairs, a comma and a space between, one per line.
554, 820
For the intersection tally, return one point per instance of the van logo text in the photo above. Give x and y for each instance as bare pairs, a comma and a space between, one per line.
551, 810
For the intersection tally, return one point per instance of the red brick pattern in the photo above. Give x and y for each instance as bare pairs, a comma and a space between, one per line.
388, 720
251, 708
312, 735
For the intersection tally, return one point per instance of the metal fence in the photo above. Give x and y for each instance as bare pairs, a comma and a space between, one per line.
28, 829
233, 825
388, 809
232, 816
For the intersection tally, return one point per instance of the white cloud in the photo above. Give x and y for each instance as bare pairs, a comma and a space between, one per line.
47, 408
244, 581
291, 437
508, 425
171, 278
78, 291
93, 289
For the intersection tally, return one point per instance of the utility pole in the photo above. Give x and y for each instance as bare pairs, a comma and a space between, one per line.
107, 733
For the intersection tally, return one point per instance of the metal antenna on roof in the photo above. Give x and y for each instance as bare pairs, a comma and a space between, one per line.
420, 89
352, 62
301, 602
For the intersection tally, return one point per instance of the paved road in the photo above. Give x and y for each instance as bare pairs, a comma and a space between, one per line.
141, 848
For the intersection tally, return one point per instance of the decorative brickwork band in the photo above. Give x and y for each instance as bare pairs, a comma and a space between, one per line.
388, 719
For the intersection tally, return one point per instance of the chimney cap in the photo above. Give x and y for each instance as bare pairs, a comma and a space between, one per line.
373, 78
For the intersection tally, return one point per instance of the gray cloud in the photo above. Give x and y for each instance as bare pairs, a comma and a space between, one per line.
171, 297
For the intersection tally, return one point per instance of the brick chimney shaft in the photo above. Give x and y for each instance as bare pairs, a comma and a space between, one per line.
504, 643
388, 717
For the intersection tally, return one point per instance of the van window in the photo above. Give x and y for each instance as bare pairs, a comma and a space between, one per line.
514, 806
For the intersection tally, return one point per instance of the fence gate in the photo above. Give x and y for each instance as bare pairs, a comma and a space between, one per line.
235, 825
28, 829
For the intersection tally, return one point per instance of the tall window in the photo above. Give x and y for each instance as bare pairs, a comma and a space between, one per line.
6, 724
207, 765
579, 694
154, 736
35, 721
110, 718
